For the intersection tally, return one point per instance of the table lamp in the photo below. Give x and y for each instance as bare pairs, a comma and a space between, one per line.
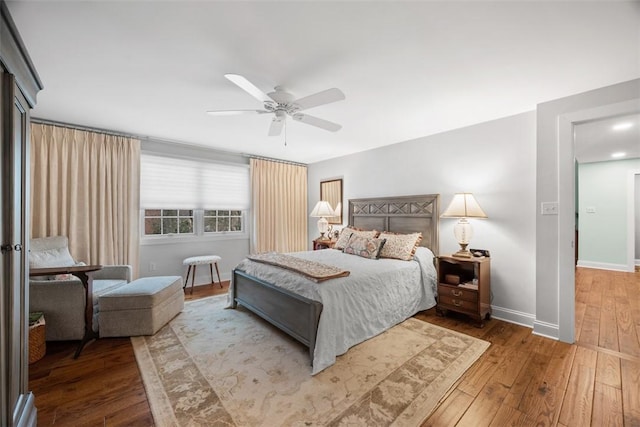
322, 210
463, 206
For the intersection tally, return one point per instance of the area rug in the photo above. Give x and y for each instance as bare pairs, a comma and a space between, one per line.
213, 366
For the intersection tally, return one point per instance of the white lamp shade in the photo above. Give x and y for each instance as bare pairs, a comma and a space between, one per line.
322, 209
463, 205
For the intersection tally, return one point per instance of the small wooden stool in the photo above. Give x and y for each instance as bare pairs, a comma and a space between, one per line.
194, 261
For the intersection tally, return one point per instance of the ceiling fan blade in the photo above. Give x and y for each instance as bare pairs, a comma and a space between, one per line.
314, 121
320, 98
235, 112
249, 87
276, 126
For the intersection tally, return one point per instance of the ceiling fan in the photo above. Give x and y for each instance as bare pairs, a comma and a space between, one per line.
283, 104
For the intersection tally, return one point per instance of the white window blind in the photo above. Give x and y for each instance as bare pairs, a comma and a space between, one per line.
173, 183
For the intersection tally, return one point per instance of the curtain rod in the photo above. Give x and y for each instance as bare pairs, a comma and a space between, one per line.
270, 159
84, 128
147, 138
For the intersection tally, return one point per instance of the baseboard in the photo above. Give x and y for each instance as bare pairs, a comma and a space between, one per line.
205, 277
638, 262
547, 330
512, 316
544, 329
602, 265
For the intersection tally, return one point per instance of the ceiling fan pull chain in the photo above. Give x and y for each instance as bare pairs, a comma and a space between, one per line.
285, 133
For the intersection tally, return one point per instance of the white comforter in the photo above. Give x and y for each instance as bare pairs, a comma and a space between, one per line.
375, 296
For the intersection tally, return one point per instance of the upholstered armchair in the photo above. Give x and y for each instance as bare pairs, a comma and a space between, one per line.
62, 299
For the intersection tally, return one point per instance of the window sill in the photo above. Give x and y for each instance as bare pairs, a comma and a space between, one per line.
176, 239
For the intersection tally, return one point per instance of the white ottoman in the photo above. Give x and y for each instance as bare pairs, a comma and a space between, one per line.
194, 261
140, 307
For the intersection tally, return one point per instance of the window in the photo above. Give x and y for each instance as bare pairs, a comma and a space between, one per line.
168, 221
180, 197
216, 221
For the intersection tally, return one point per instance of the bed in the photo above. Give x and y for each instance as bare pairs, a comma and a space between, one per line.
331, 316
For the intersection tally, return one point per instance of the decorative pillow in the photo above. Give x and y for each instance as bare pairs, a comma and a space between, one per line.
366, 247
400, 246
66, 276
346, 233
56, 257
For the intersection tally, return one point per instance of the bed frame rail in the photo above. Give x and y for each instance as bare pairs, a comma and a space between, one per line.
294, 314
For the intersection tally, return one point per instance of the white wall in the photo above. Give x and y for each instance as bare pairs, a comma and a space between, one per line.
602, 207
493, 160
167, 257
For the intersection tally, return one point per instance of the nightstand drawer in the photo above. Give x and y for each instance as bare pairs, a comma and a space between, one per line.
457, 293
457, 304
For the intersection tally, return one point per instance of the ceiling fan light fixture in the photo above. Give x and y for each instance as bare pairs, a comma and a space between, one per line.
283, 104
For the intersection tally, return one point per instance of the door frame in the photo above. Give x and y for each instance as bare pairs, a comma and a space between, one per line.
566, 211
631, 219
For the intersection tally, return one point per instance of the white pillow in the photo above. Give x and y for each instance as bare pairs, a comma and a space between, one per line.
48, 258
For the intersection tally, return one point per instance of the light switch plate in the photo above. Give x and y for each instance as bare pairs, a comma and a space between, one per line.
549, 208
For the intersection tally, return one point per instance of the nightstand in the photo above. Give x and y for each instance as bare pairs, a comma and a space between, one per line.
464, 286
323, 244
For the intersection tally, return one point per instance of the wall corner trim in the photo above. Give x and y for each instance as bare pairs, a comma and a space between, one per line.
513, 316
544, 329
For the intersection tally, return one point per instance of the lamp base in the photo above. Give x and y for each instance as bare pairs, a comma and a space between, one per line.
323, 226
462, 253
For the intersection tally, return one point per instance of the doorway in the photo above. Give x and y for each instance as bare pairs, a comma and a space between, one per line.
567, 205
607, 153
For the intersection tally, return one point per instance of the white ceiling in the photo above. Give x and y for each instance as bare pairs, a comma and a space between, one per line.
408, 69
601, 140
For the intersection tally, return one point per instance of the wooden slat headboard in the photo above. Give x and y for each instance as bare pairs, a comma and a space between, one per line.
402, 214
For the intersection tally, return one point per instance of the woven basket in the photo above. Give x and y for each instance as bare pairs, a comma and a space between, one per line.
37, 344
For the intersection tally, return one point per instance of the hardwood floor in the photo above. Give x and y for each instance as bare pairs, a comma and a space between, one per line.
521, 380
101, 388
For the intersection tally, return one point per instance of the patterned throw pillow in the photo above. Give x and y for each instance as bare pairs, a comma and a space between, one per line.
346, 233
366, 247
400, 246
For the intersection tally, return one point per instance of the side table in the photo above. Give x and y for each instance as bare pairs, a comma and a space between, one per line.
323, 244
464, 286
84, 273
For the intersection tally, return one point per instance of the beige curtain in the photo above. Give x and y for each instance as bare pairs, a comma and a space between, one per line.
279, 203
85, 185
